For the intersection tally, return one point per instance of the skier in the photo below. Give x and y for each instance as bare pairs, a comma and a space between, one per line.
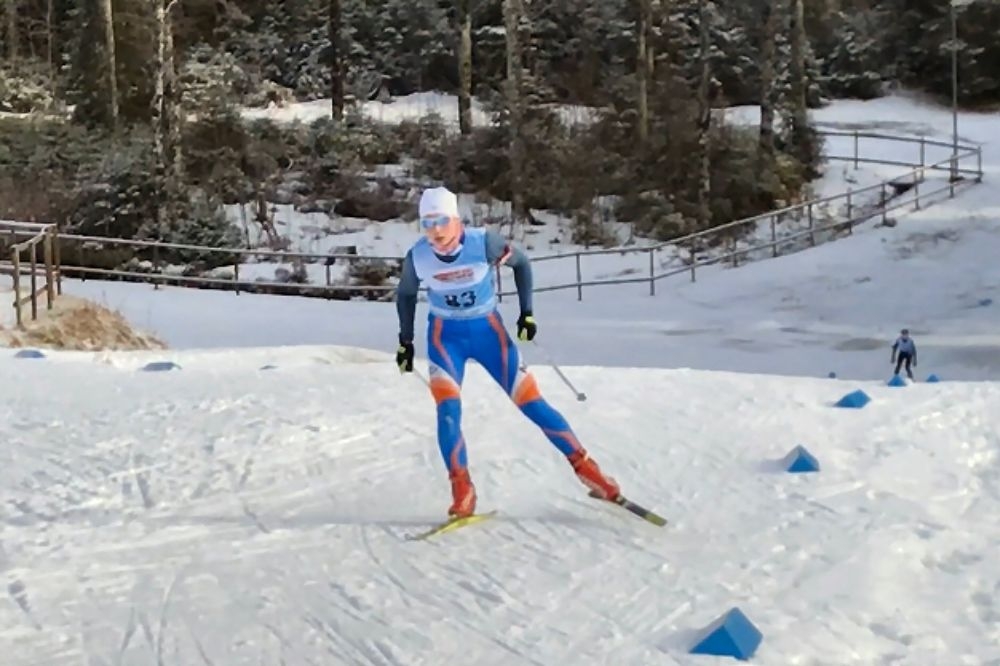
907, 349
457, 265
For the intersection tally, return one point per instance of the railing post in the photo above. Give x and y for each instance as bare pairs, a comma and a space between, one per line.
579, 279
885, 202
732, 250
979, 164
774, 238
236, 277
694, 259
916, 194
16, 260
34, 281
652, 275
499, 286
58, 260
923, 150
156, 265
50, 295
812, 234
856, 149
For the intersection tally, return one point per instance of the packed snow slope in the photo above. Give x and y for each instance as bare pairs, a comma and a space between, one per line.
224, 513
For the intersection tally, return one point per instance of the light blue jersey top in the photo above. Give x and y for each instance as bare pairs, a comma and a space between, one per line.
905, 346
463, 284
462, 288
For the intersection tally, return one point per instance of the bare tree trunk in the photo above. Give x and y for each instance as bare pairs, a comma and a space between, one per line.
464, 67
513, 13
49, 10
765, 144
800, 117
705, 119
643, 68
12, 37
171, 98
656, 17
336, 61
166, 119
108, 20
158, 121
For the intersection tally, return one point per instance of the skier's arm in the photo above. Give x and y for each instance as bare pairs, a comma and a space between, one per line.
500, 252
914, 344
895, 346
406, 298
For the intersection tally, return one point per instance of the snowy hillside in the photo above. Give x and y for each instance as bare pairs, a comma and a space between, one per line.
226, 514
320, 233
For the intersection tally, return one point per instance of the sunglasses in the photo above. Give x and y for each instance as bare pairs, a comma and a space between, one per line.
434, 221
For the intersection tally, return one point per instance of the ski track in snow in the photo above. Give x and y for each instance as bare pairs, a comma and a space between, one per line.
223, 515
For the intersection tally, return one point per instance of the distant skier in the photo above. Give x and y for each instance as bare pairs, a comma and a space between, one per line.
457, 265
907, 352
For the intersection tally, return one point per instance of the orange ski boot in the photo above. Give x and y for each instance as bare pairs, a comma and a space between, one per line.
591, 476
463, 494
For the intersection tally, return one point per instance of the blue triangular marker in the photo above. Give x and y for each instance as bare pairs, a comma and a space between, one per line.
800, 460
731, 635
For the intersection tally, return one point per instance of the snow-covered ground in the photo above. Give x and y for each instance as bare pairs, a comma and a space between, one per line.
224, 514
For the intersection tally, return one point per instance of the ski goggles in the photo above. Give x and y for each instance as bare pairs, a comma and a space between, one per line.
432, 221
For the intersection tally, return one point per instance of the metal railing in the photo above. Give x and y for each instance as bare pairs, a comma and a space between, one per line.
44, 235
909, 189
788, 229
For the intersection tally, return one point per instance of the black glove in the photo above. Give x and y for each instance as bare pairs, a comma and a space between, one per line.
526, 328
404, 356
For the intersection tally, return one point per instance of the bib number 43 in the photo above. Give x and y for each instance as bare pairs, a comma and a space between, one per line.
465, 299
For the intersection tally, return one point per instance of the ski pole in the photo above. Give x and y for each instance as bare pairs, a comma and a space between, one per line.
421, 377
580, 395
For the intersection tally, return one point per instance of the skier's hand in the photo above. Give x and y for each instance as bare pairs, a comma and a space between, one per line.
404, 357
526, 328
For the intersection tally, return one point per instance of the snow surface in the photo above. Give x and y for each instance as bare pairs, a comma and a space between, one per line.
224, 514
228, 514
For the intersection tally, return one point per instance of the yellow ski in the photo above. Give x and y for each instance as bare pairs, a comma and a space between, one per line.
452, 524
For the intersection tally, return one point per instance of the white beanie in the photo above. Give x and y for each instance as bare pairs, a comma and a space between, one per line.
438, 201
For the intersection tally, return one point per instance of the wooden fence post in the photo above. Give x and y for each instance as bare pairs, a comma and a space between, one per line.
16, 256
50, 294
58, 260
34, 281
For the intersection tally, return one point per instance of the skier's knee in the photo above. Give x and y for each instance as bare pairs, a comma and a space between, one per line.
444, 387
525, 389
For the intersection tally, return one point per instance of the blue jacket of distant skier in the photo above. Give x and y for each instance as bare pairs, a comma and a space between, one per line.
905, 346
